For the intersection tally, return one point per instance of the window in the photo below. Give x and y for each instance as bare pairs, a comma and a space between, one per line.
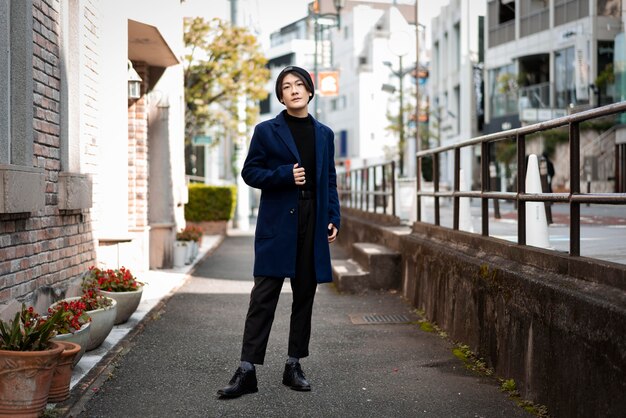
506, 11
565, 86
17, 173
503, 90
456, 63
16, 104
343, 144
605, 81
570, 10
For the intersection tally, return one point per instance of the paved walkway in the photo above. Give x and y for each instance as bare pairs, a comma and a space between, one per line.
172, 363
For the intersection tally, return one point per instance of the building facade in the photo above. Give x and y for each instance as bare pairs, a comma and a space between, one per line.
546, 59
455, 96
88, 176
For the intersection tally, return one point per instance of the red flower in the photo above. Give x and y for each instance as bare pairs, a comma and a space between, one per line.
120, 280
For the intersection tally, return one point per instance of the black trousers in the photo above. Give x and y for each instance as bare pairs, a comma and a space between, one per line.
266, 291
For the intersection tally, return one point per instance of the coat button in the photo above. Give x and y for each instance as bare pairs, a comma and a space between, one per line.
292, 211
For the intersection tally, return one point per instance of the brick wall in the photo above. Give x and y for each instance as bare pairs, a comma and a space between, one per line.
138, 155
43, 250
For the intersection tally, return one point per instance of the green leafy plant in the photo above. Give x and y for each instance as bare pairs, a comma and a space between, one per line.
221, 63
118, 280
28, 331
73, 316
210, 203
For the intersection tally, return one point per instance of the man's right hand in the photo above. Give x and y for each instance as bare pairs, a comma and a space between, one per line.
298, 175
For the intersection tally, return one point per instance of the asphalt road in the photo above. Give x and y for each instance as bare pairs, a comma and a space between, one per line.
191, 348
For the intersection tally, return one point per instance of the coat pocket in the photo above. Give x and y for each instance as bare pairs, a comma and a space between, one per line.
267, 219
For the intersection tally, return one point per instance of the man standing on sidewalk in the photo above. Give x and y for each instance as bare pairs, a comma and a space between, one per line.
291, 159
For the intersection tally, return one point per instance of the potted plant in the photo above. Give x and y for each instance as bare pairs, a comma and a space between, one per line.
62, 376
74, 324
103, 311
193, 236
28, 357
118, 284
180, 253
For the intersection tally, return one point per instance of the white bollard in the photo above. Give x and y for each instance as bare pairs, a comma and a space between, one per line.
536, 223
465, 212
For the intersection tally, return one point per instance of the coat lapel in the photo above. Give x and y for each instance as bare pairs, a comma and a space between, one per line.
285, 135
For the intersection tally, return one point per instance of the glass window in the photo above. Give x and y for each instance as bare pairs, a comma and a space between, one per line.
565, 85
503, 90
605, 81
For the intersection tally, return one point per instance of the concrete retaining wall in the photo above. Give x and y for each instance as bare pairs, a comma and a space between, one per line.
553, 323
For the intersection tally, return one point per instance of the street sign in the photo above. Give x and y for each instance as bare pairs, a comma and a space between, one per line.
202, 140
328, 83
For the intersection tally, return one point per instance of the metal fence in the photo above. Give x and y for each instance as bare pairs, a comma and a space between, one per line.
574, 198
371, 188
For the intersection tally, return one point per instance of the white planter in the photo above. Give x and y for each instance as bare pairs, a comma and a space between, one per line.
80, 337
195, 249
189, 255
102, 321
127, 303
180, 253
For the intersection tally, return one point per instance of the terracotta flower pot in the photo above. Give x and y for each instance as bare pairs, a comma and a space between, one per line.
80, 337
60, 387
127, 303
25, 378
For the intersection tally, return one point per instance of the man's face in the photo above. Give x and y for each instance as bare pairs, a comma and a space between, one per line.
295, 94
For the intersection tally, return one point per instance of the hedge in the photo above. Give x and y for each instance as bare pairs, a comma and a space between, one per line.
210, 203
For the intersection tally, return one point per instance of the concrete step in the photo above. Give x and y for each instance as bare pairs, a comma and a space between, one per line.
383, 264
349, 276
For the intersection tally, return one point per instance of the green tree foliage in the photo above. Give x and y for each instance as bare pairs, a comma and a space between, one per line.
221, 63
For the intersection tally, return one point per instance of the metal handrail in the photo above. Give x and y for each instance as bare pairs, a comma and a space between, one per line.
574, 198
365, 187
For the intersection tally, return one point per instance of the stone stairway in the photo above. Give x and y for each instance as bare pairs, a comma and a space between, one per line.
372, 267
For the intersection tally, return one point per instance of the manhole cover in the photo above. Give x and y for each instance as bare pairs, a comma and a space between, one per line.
361, 319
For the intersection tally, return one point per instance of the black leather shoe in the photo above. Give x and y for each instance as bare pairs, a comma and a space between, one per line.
244, 381
293, 376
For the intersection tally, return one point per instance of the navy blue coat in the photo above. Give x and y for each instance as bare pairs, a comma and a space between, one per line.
269, 167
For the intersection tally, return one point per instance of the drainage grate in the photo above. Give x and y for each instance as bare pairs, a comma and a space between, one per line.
362, 319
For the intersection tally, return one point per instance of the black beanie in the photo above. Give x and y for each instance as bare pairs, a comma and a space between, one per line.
301, 73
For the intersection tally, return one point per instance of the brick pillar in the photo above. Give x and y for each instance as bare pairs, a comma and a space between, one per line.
138, 155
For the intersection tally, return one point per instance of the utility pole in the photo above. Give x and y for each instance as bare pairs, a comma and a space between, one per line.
401, 118
418, 146
242, 210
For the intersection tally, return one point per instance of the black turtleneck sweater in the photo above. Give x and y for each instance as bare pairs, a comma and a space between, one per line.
303, 133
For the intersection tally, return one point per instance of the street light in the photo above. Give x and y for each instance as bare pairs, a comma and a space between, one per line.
398, 44
134, 82
329, 20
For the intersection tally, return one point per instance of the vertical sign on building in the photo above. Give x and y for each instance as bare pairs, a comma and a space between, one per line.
328, 83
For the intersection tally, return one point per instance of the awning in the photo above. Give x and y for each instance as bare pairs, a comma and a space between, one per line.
146, 44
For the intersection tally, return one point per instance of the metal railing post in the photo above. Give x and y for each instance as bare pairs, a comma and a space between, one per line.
436, 187
484, 186
574, 160
521, 189
456, 187
393, 188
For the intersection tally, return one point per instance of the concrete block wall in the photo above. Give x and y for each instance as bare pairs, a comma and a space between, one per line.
553, 323
42, 251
